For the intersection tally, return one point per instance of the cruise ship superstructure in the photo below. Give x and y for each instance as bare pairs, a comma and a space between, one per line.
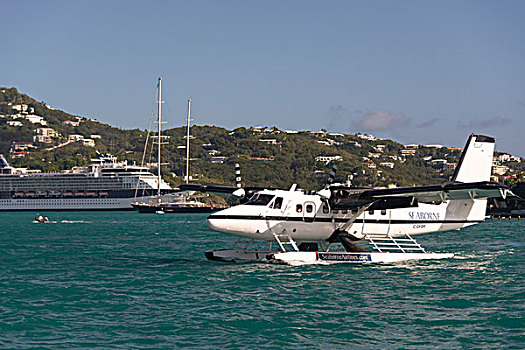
106, 184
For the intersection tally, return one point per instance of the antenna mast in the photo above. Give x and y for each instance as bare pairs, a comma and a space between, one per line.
188, 143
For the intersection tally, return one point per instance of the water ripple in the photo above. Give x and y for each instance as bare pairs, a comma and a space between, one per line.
130, 281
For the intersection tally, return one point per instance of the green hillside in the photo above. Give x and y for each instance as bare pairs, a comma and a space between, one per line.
268, 156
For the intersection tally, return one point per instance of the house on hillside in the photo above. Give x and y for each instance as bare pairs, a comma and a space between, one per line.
262, 158
75, 137
22, 146
20, 149
42, 139
449, 166
328, 159
270, 141
212, 152
387, 165
408, 152
36, 119
50, 132
217, 160
500, 169
20, 107
380, 148
366, 137
88, 142
71, 123
370, 164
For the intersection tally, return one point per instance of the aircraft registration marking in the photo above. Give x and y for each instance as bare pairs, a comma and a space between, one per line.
344, 257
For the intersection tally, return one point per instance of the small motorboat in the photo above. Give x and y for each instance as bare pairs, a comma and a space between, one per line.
39, 219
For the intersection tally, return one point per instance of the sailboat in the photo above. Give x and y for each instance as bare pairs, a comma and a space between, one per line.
179, 201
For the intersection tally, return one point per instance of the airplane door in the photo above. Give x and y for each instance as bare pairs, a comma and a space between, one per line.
274, 210
309, 211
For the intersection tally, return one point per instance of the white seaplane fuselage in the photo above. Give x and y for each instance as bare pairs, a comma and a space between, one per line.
383, 218
308, 217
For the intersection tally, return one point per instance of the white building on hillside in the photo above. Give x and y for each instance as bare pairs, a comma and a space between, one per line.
36, 119
328, 159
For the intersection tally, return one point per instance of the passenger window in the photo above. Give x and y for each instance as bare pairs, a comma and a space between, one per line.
344, 211
309, 208
325, 209
299, 208
371, 212
383, 212
278, 203
336, 211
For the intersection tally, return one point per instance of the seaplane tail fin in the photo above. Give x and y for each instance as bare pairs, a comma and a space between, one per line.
475, 164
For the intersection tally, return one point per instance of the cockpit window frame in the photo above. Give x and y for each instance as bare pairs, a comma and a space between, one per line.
260, 199
277, 203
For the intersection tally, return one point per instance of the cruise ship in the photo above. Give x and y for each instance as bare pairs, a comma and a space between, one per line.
106, 184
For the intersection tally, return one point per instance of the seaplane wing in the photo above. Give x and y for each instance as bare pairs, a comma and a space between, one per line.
209, 188
390, 198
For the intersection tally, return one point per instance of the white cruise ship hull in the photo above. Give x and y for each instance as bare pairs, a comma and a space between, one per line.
63, 204
104, 185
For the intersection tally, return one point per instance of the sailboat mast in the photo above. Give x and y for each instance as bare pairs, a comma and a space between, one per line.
188, 143
159, 121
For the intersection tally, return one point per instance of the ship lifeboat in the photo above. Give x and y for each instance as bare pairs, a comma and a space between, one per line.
79, 193
103, 193
41, 193
67, 194
30, 194
91, 193
54, 193
18, 194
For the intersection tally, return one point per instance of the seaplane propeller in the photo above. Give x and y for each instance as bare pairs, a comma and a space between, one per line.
325, 193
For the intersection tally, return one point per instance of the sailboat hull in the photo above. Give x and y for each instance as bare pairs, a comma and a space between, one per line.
174, 208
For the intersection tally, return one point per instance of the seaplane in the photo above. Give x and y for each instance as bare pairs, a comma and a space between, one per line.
347, 224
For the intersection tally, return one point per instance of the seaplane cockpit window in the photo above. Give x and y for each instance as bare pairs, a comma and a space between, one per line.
309, 208
371, 212
260, 199
383, 211
325, 209
299, 208
278, 203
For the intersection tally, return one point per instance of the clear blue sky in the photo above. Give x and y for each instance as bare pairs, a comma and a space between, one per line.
413, 71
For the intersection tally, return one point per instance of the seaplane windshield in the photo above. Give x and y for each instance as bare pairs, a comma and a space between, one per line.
260, 199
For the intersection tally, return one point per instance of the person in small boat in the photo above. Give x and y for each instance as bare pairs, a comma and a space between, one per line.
40, 218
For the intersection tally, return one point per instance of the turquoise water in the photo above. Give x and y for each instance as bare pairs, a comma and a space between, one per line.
128, 280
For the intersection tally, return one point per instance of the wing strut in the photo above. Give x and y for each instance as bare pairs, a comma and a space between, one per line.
351, 221
342, 235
